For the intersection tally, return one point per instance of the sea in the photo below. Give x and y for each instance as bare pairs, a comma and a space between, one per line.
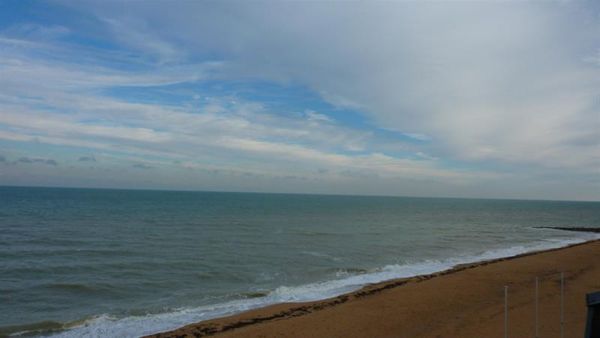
124, 263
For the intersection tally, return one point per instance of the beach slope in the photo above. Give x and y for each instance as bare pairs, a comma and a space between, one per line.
466, 301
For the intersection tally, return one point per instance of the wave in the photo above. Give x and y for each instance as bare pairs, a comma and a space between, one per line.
40, 327
255, 294
76, 287
351, 280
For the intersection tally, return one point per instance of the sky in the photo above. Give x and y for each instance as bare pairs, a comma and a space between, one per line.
497, 99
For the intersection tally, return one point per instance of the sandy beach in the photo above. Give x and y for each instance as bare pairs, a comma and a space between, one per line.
466, 301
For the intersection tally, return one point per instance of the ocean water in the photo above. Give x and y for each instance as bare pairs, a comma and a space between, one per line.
102, 263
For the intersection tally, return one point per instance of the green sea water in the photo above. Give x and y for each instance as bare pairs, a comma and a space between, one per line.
120, 263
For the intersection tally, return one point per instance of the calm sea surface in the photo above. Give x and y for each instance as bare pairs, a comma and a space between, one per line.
86, 262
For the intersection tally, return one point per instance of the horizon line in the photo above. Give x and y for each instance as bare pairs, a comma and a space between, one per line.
293, 193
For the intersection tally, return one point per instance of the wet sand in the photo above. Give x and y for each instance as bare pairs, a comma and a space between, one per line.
466, 301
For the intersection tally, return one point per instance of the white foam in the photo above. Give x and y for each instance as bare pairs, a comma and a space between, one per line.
134, 326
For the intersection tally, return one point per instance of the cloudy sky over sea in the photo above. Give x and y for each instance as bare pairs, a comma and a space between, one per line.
467, 99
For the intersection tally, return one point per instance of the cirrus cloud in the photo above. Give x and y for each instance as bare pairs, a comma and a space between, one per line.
468, 94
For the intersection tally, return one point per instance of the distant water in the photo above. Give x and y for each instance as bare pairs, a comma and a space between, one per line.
85, 262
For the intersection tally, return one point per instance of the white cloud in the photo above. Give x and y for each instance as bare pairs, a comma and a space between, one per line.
508, 85
239, 136
490, 81
314, 116
137, 35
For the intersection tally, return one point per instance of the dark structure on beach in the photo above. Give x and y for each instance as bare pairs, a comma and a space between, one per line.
592, 329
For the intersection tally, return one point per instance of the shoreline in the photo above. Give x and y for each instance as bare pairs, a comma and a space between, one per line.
576, 229
286, 312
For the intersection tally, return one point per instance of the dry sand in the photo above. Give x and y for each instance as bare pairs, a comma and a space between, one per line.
467, 301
